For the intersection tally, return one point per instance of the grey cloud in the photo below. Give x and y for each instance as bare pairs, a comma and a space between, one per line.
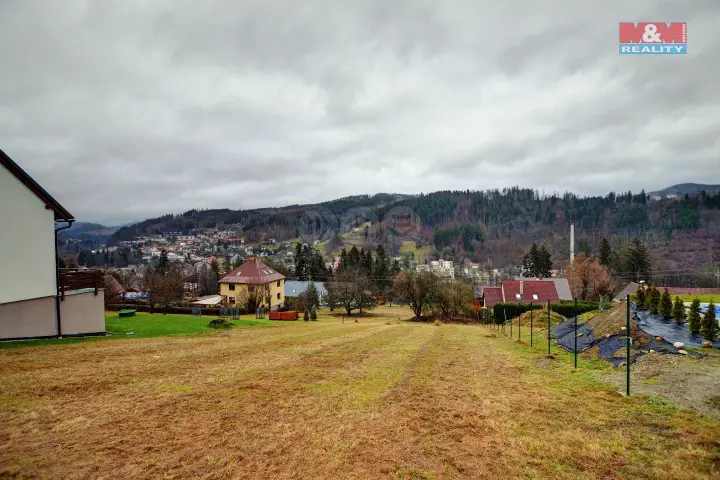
125, 110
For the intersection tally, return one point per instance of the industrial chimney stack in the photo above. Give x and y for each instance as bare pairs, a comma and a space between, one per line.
572, 242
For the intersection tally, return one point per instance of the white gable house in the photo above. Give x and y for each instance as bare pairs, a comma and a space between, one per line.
31, 304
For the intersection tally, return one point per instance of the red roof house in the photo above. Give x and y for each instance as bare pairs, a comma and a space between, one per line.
526, 291
252, 272
491, 296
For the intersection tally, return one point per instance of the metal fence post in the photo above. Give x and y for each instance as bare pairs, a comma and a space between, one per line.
519, 322
531, 323
575, 343
548, 327
627, 347
504, 315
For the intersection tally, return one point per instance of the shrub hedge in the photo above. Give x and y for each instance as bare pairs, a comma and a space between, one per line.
567, 309
511, 310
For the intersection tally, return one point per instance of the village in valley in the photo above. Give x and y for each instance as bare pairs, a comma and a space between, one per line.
351, 240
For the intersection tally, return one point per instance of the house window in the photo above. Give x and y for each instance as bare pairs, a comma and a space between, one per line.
231, 286
278, 284
535, 297
278, 296
517, 295
232, 300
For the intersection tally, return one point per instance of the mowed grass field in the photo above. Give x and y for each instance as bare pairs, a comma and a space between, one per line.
333, 400
146, 325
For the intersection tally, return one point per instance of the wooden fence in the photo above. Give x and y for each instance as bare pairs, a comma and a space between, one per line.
71, 279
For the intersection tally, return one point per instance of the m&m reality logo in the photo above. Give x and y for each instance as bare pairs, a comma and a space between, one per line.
653, 38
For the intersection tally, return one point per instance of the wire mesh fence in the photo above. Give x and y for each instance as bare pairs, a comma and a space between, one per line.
541, 330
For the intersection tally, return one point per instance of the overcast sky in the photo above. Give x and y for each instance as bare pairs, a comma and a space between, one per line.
127, 109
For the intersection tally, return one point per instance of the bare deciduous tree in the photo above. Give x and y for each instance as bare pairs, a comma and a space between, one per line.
418, 288
588, 278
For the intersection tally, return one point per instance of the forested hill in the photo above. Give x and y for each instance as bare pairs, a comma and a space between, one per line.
495, 225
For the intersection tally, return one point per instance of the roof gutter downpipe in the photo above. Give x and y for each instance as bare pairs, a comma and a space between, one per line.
57, 275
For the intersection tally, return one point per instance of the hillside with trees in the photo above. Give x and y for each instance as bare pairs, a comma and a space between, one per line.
492, 226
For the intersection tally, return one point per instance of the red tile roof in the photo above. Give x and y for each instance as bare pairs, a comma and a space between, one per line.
491, 296
254, 272
544, 291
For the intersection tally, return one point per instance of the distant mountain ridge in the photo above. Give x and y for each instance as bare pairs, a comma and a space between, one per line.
681, 189
490, 225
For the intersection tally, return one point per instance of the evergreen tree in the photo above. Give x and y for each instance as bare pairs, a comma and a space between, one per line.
640, 296
605, 252
215, 267
316, 267
311, 295
381, 271
647, 303
353, 258
395, 269
709, 327
303, 267
313, 313
306, 315
299, 261
367, 262
654, 301
163, 263
544, 266
530, 261
537, 262
665, 308
639, 259
678, 312
343, 260
82, 258
694, 319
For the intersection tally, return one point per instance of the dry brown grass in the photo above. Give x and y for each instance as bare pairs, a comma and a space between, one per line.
609, 322
330, 400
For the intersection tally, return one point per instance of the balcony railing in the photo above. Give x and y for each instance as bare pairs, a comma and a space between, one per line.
74, 279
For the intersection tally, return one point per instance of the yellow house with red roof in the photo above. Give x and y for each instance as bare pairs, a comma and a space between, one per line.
252, 285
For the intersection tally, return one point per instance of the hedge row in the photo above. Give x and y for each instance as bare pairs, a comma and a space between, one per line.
510, 310
567, 309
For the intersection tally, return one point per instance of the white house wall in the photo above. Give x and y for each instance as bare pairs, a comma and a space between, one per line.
27, 249
83, 313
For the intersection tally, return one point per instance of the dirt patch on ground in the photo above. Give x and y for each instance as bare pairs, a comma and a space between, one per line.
692, 383
609, 322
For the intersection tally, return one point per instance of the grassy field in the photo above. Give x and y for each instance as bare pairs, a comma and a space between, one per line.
333, 400
703, 298
419, 253
145, 325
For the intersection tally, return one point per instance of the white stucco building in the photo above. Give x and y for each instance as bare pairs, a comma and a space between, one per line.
30, 302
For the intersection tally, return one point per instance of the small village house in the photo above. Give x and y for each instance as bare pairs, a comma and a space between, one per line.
525, 291
253, 284
36, 299
297, 288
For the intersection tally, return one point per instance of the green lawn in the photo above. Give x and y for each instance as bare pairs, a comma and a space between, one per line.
145, 325
419, 253
703, 298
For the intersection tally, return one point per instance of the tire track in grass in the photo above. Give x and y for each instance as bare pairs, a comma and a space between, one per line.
164, 421
431, 427
94, 376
